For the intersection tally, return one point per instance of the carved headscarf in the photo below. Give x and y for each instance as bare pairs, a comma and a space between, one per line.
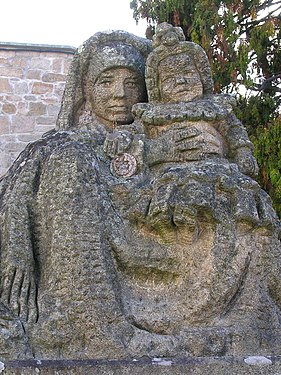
103, 51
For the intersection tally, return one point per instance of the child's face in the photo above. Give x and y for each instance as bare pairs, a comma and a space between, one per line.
179, 80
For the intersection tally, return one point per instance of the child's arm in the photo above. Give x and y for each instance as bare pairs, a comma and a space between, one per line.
240, 146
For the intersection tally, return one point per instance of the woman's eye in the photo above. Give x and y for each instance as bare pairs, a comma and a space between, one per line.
105, 82
131, 83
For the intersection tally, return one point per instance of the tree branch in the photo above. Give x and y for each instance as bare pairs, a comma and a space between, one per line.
245, 22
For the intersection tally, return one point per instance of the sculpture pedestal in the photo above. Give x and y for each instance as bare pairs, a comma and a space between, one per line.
157, 366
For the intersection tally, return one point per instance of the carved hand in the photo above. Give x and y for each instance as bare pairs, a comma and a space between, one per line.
19, 292
18, 288
117, 143
184, 142
194, 142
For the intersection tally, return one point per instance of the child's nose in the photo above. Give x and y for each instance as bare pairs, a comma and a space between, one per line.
180, 80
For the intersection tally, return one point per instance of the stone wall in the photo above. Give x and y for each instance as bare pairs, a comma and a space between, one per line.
32, 79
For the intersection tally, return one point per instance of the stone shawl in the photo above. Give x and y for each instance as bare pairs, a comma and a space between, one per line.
93, 263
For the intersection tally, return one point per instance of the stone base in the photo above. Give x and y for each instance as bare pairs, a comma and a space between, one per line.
157, 366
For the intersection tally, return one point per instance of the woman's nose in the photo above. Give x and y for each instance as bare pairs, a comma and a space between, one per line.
119, 90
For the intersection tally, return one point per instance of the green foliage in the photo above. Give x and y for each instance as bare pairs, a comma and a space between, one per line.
243, 42
264, 128
268, 153
241, 38
256, 112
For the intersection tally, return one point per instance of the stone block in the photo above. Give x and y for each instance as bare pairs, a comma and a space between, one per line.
42, 88
5, 85
53, 110
7, 71
66, 64
13, 98
40, 63
59, 89
14, 146
41, 129
30, 54
21, 88
3, 61
45, 120
5, 160
9, 108
51, 55
31, 97
57, 65
50, 99
53, 77
28, 137
22, 124
34, 74
20, 61
7, 54
22, 108
4, 125
2, 171
7, 138
36, 109
4, 129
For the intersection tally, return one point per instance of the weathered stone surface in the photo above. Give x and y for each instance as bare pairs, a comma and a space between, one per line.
5, 85
6, 71
21, 88
9, 108
141, 237
37, 109
53, 77
42, 88
24, 123
4, 125
155, 366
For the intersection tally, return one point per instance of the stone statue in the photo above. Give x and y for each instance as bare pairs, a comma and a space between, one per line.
136, 229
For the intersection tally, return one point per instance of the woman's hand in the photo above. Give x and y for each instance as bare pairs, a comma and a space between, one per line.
19, 292
117, 143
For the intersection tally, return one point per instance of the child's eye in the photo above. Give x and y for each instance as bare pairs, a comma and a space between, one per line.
169, 81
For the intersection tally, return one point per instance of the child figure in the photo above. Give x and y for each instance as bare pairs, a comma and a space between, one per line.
180, 93
184, 120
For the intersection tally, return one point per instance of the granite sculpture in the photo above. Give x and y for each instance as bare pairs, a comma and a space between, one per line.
136, 228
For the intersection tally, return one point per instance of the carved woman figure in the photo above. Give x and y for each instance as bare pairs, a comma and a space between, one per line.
57, 278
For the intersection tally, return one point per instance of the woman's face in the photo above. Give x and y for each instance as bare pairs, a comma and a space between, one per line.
114, 93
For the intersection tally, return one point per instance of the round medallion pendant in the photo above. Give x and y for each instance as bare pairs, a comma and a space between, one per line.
124, 165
